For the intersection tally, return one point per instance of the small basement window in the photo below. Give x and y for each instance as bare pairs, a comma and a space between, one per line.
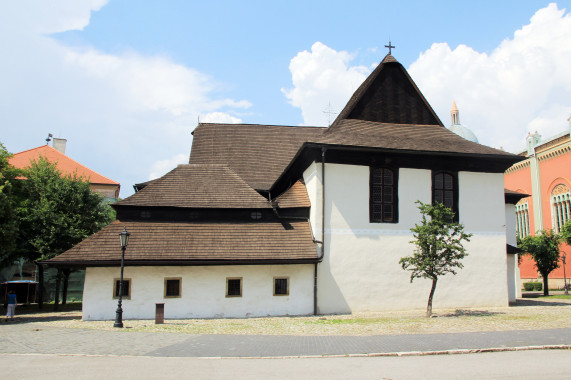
234, 287
126, 288
281, 286
172, 287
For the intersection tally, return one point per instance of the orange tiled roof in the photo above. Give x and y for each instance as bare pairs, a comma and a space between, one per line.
65, 164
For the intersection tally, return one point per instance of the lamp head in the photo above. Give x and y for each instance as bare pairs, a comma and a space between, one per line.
124, 236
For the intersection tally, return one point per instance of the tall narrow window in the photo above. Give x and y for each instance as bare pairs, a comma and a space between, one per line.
561, 206
383, 195
522, 218
445, 190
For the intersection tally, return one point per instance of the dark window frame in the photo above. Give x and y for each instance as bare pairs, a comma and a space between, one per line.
116, 288
454, 190
281, 278
167, 279
228, 288
395, 195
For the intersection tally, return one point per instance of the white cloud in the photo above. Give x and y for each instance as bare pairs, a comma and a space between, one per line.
122, 114
522, 85
161, 167
322, 77
219, 117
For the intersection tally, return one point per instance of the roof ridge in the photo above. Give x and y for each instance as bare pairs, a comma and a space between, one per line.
66, 157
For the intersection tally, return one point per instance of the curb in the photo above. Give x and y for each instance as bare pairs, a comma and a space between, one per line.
370, 355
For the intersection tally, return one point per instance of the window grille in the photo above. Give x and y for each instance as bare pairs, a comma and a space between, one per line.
383, 196
561, 206
522, 218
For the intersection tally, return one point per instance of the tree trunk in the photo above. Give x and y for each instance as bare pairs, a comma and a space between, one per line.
40, 286
429, 306
545, 286
65, 284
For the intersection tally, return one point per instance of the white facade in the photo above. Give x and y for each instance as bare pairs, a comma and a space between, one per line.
361, 271
203, 291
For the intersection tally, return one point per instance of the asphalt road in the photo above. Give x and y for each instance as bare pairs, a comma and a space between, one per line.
533, 364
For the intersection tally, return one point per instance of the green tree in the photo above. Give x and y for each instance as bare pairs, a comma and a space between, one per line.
439, 248
544, 249
566, 232
56, 211
8, 220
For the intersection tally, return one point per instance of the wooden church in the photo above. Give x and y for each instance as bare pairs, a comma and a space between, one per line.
285, 220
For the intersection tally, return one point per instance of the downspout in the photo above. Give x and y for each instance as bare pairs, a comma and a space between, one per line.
323, 150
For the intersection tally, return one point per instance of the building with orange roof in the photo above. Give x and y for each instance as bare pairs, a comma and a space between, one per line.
546, 175
56, 154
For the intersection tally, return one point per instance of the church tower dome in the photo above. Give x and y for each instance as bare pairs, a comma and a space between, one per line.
458, 128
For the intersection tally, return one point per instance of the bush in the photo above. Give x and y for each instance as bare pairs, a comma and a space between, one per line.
531, 286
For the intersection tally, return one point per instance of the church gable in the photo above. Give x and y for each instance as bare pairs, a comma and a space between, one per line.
389, 95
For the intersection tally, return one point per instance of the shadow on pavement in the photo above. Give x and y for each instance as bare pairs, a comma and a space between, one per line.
539, 302
470, 313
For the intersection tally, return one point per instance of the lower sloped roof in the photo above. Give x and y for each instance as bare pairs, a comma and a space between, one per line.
170, 243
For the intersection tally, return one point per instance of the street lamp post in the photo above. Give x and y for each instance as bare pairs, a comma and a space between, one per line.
124, 236
564, 275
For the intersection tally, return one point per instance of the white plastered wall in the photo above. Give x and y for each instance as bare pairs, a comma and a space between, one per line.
203, 293
361, 270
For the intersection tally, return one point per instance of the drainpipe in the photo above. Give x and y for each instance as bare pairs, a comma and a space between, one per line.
323, 150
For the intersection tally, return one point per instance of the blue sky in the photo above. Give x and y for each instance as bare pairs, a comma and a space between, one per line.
125, 81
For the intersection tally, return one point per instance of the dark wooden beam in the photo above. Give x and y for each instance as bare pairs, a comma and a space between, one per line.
65, 284
58, 283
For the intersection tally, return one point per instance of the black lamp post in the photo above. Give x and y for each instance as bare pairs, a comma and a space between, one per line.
124, 236
564, 276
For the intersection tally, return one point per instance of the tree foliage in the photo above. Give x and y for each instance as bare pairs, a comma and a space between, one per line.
566, 232
8, 220
439, 246
544, 249
56, 211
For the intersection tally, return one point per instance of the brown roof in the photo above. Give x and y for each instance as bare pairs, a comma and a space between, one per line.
388, 95
63, 163
295, 196
257, 153
198, 186
412, 137
188, 243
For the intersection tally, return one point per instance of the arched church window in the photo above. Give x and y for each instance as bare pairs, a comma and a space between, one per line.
522, 218
560, 206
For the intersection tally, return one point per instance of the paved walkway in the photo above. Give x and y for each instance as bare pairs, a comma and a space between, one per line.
30, 338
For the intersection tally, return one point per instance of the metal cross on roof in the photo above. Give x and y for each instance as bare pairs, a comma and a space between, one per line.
390, 46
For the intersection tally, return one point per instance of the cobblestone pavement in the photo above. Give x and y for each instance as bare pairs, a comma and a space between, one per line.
29, 338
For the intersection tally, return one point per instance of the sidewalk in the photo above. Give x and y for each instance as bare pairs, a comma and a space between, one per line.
29, 338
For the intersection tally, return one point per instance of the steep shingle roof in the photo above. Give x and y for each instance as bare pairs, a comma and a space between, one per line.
197, 186
257, 153
295, 196
63, 163
388, 95
188, 243
405, 137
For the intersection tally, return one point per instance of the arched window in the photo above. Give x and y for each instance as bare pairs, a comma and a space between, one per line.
383, 195
560, 206
445, 190
522, 218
